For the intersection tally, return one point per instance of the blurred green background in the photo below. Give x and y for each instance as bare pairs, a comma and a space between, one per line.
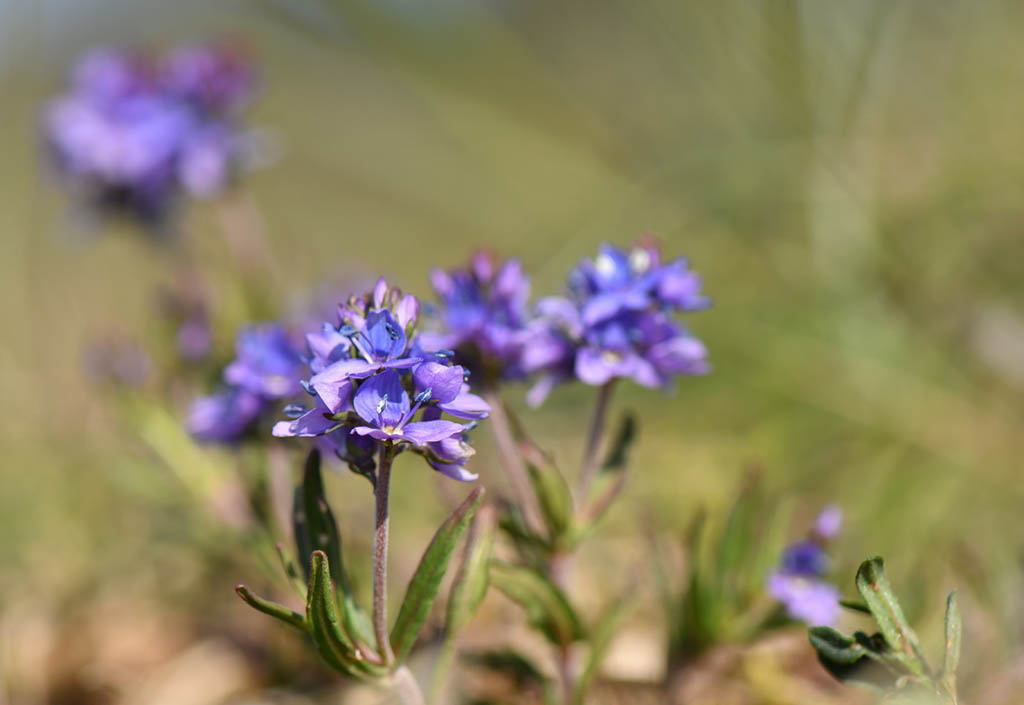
846, 176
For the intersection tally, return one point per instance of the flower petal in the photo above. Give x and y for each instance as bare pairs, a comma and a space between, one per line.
421, 432
444, 381
467, 406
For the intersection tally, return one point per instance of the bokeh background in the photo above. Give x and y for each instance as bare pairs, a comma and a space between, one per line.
847, 177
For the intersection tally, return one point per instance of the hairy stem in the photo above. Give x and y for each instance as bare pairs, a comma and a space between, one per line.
512, 461
380, 555
594, 436
406, 687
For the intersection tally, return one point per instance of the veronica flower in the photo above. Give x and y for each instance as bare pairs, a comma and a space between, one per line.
799, 582
216, 79
267, 367
132, 136
372, 380
482, 316
617, 322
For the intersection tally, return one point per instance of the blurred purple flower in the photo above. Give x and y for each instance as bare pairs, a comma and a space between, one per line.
224, 417
617, 323
371, 380
483, 317
267, 367
194, 338
217, 79
799, 582
127, 138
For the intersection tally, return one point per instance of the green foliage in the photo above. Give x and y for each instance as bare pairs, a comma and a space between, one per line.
473, 577
723, 600
547, 608
425, 582
890, 661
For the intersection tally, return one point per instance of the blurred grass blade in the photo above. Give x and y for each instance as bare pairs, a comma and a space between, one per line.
273, 609
423, 587
600, 639
546, 607
954, 634
549, 487
291, 570
855, 606
618, 450
511, 665
471, 580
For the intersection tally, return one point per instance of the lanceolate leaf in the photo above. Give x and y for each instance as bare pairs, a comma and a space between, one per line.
471, 581
273, 609
546, 607
419, 596
549, 486
877, 593
321, 612
850, 660
618, 450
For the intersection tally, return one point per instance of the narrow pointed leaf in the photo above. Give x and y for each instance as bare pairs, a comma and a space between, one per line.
954, 634
290, 570
546, 607
423, 587
855, 606
850, 660
471, 580
509, 664
877, 593
737, 536
286, 615
618, 450
550, 488
331, 641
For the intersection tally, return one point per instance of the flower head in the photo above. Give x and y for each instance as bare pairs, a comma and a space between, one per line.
267, 367
482, 314
799, 582
617, 322
372, 381
129, 138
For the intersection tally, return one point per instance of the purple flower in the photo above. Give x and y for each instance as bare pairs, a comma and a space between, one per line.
829, 522
217, 79
224, 417
483, 315
194, 339
266, 363
373, 384
809, 600
799, 582
617, 322
267, 367
127, 137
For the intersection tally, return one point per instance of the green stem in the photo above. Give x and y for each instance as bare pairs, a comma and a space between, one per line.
594, 436
512, 461
380, 555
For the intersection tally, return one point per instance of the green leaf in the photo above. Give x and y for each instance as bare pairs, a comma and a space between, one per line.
954, 634
331, 641
471, 580
600, 639
423, 587
546, 607
738, 536
618, 449
551, 489
855, 606
317, 530
288, 616
861, 660
290, 570
877, 593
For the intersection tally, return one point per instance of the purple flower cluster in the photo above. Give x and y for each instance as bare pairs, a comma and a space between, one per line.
132, 134
374, 387
617, 322
799, 581
267, 367
483, 317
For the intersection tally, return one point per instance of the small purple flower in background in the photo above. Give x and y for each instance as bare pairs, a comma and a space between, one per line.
482, 316
267, 367
194, 339
617, 322
131, 135
799, 582
374, 386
